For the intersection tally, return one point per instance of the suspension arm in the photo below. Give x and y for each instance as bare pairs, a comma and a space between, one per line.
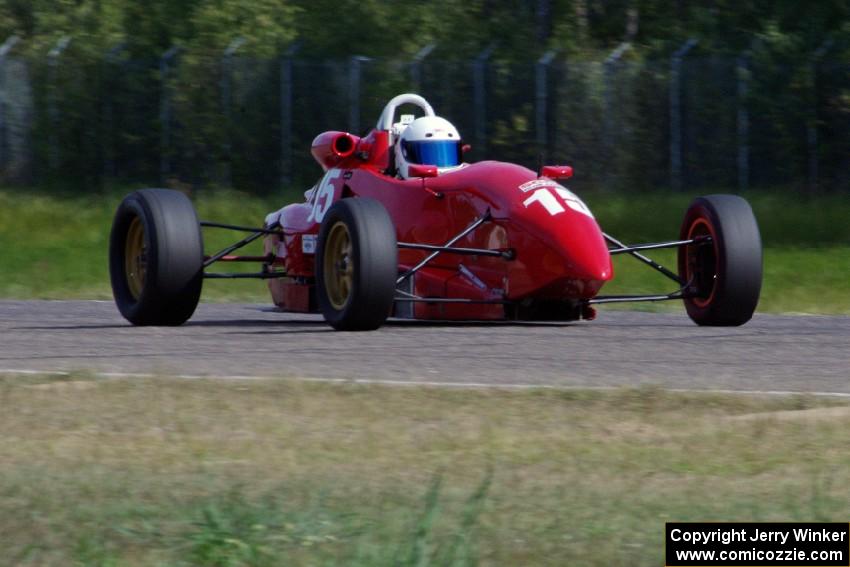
659, 245
453, 300
221, 254
273, 229
237, 276
681, 293
484, 218
648, 261
507, 254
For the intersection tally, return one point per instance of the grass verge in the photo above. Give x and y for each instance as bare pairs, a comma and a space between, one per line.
165, 472
55, 246
796, 280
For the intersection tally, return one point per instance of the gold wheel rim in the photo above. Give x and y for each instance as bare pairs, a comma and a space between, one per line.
338, 266
135, 259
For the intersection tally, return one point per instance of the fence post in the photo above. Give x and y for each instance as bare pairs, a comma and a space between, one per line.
4, 52
165, 113
226, 100
286, 97
354, 71
812, 122
108, 135
608, 123
52, 100
676, 114
543, 20
742, 66
479, 87
416, 66
542, 101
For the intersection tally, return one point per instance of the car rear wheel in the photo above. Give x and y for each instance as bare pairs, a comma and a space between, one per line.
356, 265
724, 271
156, 257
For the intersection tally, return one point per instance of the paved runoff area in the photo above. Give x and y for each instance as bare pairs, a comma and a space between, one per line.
770, 354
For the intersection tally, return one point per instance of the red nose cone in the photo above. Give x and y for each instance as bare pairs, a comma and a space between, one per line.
585, 257
589, 261
572, 259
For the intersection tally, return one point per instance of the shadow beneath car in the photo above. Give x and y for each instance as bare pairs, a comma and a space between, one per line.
251, 323
442, 323
69, 327
301, 325
189, 324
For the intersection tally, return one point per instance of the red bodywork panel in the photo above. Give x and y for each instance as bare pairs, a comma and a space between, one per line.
559, 251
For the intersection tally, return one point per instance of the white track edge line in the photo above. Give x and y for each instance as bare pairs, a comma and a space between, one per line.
420, 383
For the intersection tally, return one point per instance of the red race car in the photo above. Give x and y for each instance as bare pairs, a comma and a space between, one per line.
399, 226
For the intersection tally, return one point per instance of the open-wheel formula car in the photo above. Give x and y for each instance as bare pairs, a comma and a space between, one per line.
399, 226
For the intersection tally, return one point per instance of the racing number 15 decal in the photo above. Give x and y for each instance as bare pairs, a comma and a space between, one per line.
554, 197
324, 196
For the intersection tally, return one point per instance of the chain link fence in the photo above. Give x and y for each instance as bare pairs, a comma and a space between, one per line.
689, 121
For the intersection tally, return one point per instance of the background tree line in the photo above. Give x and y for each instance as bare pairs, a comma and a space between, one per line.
106, 108
401, 27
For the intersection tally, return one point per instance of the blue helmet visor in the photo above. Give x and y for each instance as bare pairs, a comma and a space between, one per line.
442, 153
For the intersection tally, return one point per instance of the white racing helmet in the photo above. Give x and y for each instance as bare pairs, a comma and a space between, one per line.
429, 140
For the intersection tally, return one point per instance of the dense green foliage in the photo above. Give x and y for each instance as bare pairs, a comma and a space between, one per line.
111, 106
330, 27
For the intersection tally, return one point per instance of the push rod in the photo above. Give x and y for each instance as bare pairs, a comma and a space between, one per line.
269, 230
643, 258
485, 217
659, 245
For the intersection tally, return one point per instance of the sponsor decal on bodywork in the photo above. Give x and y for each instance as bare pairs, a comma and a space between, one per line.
536, 184
553, 197
308, 243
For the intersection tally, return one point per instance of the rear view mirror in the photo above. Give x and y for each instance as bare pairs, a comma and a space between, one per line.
422, 171
557, 171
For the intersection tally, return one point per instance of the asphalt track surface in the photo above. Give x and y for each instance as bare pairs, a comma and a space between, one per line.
770, 354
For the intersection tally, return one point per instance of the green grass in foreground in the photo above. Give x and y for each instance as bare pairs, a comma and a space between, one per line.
164, 472
55, 246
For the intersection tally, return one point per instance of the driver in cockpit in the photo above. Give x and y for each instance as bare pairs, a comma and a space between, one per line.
428, 140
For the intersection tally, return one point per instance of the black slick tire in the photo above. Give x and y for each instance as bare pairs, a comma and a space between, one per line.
156, 258
356, 265
725, 274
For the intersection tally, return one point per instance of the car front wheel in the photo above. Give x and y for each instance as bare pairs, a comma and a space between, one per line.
356, 265
723, 269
